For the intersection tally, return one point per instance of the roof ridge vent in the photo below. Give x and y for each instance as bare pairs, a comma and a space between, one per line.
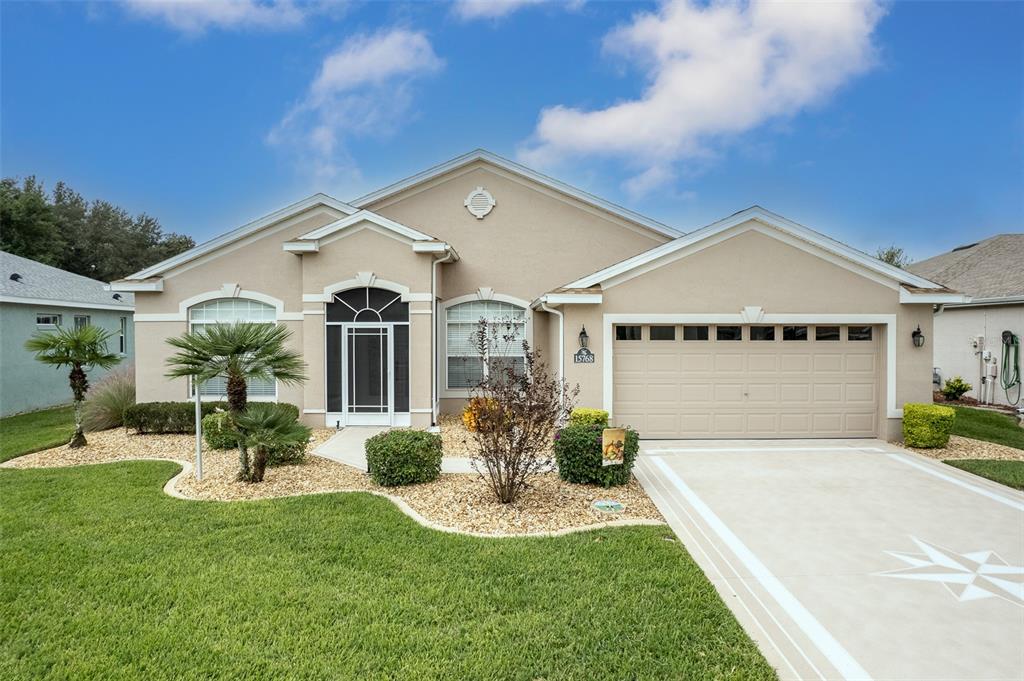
965, 247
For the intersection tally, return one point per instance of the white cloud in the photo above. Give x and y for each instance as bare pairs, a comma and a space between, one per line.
469, 10
713, 71
196, 16
364, 88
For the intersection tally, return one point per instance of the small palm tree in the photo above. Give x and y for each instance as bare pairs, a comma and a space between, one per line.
237, 353
80, 348
265, 427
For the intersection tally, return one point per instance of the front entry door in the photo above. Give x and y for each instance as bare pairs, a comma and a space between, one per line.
368, 378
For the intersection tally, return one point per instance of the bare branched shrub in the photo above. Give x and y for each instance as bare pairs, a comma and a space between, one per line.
519, 407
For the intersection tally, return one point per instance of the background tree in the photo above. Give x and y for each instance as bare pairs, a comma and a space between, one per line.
893, 255
517, 412
237, 353
94, 239
82, 349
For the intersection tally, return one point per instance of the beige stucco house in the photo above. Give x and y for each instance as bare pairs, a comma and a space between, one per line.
753, 326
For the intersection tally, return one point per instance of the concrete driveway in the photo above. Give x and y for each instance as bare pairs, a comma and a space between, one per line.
851, 558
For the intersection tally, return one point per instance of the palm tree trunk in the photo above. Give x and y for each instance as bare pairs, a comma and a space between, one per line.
237, 398
79, 386
259, 464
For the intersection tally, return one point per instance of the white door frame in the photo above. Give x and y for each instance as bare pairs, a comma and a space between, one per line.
347, 418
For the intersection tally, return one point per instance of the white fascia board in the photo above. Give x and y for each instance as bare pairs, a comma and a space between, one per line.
368, 216
569, 299
513, 167
129, 286
49, 302
998, 300
765, 217
243, 231
909, 297
430, 247
301, 246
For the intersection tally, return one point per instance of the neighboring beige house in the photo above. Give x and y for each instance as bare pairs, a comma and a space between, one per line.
753, 326
968, 336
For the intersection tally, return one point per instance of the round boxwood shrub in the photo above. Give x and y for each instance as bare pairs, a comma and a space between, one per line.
584, 416
578, 455
927, 425
217, 432
403, 457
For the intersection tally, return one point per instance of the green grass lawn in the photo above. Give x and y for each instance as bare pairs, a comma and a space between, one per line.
28, 433
1009, 473
102, 575
988, 425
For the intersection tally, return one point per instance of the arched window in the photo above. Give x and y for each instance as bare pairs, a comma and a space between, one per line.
369, 305
229, 311
465, 367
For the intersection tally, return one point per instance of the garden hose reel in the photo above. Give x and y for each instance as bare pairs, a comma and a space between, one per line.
1009, 374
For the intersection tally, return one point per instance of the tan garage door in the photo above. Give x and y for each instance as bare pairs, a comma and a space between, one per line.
706, 381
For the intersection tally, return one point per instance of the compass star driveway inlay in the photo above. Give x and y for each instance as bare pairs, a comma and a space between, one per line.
852, 559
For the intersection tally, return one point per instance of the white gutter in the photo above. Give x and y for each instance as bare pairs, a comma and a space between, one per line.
450, 256
561, 348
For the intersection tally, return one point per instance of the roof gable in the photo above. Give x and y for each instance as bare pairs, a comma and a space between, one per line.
522, 171
242, 232
770, 224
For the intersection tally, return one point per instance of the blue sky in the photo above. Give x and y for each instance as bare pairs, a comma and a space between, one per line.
901, 123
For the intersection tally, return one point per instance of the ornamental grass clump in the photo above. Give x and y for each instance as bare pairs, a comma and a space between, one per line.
519, 406
108, 402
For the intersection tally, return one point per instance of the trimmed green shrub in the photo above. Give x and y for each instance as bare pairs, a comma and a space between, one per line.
106, 404
578, 455
583, 416
175, 417
217, 432
927, 425
403, 457
955, 388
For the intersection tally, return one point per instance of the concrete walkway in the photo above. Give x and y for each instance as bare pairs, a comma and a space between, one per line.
348, 446
851, 559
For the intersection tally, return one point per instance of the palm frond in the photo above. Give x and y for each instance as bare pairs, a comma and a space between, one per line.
85, 346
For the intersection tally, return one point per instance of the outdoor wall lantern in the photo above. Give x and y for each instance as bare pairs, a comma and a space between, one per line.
584, 338
917, 337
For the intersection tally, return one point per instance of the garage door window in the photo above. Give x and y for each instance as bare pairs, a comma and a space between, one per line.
858, 333
729, 333
663, 333
794, 333
695, 333
762, 333
628, 333
826, 333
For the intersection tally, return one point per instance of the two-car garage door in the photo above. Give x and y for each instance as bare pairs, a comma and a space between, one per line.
707, 381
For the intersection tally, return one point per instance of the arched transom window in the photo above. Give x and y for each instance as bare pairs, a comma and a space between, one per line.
466, 367
367, 305
230, 311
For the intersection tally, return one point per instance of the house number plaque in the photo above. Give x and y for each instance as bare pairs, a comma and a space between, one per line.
583, 356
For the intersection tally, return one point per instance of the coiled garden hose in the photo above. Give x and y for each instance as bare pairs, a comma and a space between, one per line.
1009, 374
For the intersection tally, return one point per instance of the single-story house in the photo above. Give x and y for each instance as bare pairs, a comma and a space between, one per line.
37, 297
968, 336
753, 326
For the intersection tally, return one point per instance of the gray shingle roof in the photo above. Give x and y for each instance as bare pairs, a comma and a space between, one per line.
993, 268
42, 281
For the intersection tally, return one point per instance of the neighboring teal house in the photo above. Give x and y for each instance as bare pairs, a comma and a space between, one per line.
36, 297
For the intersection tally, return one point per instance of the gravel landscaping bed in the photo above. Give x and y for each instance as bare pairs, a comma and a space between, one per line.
461, 502
967, 448
456, 441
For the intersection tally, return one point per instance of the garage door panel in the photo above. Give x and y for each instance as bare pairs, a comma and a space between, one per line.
724, 389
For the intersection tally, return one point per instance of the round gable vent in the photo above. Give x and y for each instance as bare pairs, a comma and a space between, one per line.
479, 202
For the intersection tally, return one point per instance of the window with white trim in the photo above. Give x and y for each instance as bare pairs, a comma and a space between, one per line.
122, 337
82, 321
465, 367
45, 319
230, 311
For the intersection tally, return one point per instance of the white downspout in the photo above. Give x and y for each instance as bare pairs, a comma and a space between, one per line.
561, 345
449, 257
